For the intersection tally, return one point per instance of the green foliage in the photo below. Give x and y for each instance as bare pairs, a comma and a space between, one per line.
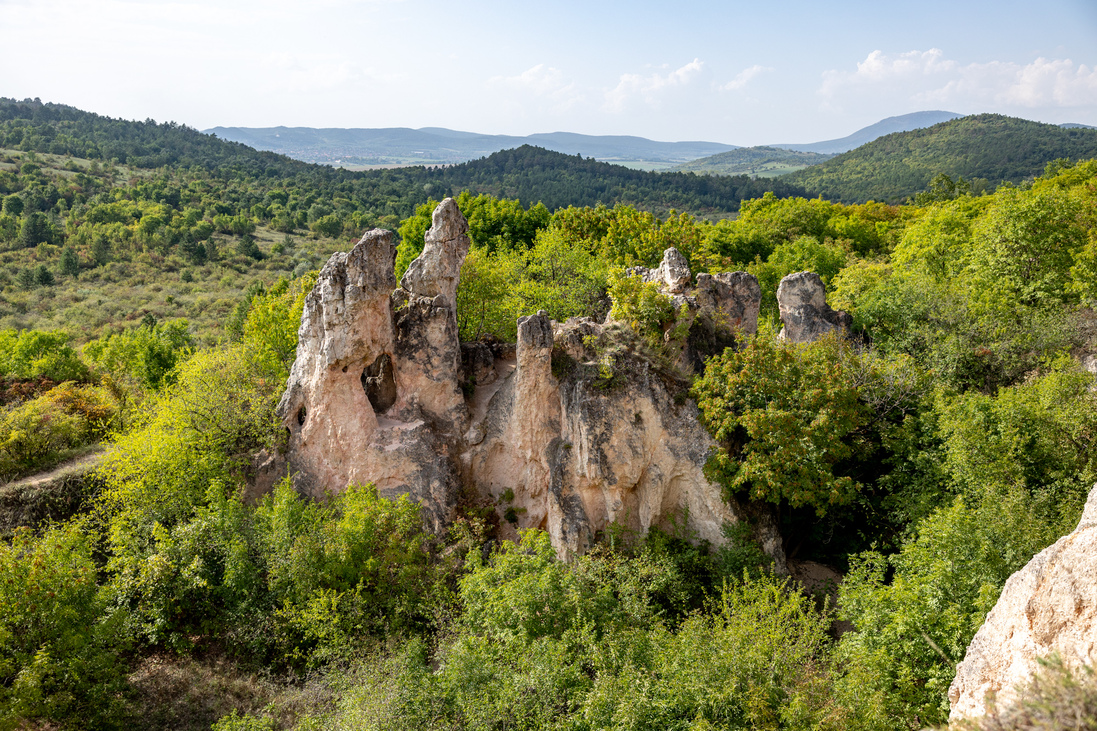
798, 255
783, 416
60, 652
554, 275
146, 356
980, 147
199, 430
38, 354
36, 433
546, 644
295, 582
70, 262
1021, 463
1026, 242
641, 306
270, 327
914, 629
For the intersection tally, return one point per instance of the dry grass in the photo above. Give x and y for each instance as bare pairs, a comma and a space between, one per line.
172, 693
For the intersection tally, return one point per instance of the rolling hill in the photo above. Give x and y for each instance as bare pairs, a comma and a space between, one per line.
762, 162
990, 147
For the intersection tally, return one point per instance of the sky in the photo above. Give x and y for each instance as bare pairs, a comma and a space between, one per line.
785, 71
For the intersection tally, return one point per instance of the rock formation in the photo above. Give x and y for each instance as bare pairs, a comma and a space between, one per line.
1049, 606
802, 301
541, 430
722, 307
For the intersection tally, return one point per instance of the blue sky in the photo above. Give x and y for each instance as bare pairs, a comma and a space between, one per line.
741, 73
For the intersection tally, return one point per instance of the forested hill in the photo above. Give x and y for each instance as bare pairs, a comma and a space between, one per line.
63, 130
558, 180
986, 149
528, 173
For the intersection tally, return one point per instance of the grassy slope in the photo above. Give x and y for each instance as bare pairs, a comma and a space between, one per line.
988, 146
123, 291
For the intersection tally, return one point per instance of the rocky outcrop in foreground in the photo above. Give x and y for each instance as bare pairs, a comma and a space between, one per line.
1049, 606
541, 429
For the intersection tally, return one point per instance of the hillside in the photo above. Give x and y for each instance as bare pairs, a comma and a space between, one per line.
438, 145
108, 222
529, 173
762, 162
990, 148
901, 123
557, 180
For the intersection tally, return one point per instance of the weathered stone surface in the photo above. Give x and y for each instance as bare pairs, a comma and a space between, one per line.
438, 269
376, 395
346, 326
674, 271
802, 301
573, 456
720, 308
672, 275
1049, 606
735, 297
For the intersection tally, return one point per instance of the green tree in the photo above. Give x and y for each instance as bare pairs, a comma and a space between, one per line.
37, 229
70, 262
784, 416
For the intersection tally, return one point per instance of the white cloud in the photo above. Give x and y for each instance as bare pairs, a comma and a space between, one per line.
542, 81
649, 87
744, 77
928, 77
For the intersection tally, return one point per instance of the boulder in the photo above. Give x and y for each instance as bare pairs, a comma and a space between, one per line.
802, 301
1049, 606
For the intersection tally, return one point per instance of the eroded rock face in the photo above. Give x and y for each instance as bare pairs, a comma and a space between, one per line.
802, 301
1048, 606
437, 270
375, 395
371, 387
566, 454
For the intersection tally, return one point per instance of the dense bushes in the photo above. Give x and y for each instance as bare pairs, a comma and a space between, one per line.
544, 644
60, 648
35, 433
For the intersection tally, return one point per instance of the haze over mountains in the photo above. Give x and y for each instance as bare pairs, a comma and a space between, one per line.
438, 145
901, 123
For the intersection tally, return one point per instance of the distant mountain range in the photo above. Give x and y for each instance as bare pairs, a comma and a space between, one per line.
353, 148
437, 145
902, 123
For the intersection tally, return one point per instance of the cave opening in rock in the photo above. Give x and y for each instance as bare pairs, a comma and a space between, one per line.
379, 383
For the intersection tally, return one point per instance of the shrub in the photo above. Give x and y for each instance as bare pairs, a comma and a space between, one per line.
35, 433
784, 416
36, 353
60, 653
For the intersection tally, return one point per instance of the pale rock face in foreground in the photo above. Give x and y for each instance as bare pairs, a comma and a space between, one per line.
375, 396
1049, 606
801, 298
